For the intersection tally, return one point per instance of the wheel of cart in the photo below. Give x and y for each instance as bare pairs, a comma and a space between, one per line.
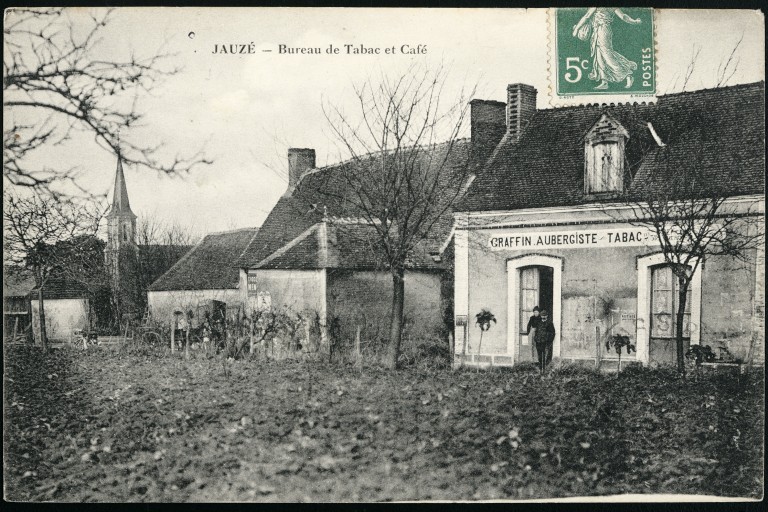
84, 339
150, 337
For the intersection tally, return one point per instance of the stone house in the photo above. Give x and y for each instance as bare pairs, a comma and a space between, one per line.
68, 303
203, 274
311, 257
546, 223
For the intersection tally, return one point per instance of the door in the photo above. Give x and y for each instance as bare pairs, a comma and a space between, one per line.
529, 298
536, 289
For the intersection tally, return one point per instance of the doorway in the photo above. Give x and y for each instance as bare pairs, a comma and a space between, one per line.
536, 289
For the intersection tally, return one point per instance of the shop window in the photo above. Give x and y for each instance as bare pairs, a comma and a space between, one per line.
664, 302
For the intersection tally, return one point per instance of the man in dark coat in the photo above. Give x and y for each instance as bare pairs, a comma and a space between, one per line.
534, 321
544, 339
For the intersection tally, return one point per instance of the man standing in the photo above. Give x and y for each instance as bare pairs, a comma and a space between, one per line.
533, 324
544, 338
534, 321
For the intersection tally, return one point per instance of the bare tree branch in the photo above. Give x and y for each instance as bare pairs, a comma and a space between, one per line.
53, 84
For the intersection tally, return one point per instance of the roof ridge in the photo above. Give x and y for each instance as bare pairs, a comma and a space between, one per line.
245, 249
227, 231
715, 89
659, 97
287, 247
331, 167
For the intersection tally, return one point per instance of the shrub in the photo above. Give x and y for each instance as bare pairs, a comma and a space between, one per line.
573, 369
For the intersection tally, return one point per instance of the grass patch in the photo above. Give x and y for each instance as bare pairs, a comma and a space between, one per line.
112, 426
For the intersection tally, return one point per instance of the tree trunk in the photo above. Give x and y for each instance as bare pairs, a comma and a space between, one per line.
43, 334
682, 297
396, 323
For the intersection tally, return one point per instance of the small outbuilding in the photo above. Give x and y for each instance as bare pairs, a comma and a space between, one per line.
205, 273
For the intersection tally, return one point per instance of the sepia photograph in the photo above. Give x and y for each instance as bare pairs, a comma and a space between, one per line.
361, 255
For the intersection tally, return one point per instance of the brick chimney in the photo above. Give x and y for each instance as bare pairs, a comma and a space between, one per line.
300, 160
521, 106
487, 126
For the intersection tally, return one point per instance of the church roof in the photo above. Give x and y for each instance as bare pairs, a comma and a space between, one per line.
120, 203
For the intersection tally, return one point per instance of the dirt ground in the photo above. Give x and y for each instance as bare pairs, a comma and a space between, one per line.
112, 426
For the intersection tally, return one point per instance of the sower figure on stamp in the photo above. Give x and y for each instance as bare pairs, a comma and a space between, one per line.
544, 339
608, 65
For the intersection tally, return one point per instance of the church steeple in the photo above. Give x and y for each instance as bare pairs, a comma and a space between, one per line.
121, 205
121, 231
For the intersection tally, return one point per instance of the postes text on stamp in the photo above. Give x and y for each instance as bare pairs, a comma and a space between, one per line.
603, 51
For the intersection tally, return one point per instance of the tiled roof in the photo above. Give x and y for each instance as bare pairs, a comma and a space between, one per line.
302, 253
157, 259
62, 288
21, 283
209, 264
711, 133
357, 246
350, 245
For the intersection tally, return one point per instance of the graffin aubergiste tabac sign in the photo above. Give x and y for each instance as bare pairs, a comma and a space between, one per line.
574, 239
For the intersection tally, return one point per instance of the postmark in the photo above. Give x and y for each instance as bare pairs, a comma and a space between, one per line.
601, 55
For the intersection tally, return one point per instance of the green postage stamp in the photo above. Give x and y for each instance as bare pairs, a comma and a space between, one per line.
608, 53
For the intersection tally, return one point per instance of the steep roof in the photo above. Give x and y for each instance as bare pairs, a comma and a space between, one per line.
709, 134
208, 265
120, 203
283, 241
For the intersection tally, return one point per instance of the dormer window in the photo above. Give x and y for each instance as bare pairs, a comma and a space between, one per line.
604, 157
605, 172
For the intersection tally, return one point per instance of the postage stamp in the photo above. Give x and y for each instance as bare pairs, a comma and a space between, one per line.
601, 55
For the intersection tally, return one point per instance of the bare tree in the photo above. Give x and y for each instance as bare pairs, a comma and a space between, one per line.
159, 246
54, 84
48, 238
403, 170
689, 190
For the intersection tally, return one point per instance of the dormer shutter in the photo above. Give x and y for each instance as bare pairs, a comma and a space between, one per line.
604, 157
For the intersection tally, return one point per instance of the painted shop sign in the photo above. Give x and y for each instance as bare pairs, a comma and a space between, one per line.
574, 239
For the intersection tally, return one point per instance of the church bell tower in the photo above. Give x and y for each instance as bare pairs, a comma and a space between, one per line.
121, 229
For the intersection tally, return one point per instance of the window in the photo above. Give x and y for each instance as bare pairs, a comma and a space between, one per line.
253, 285
605, 165
664, 301
604, 157
529, 294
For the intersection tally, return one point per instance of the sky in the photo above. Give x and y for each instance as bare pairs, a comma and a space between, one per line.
245, 111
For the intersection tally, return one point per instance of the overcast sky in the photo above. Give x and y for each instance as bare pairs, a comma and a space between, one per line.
246, 110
